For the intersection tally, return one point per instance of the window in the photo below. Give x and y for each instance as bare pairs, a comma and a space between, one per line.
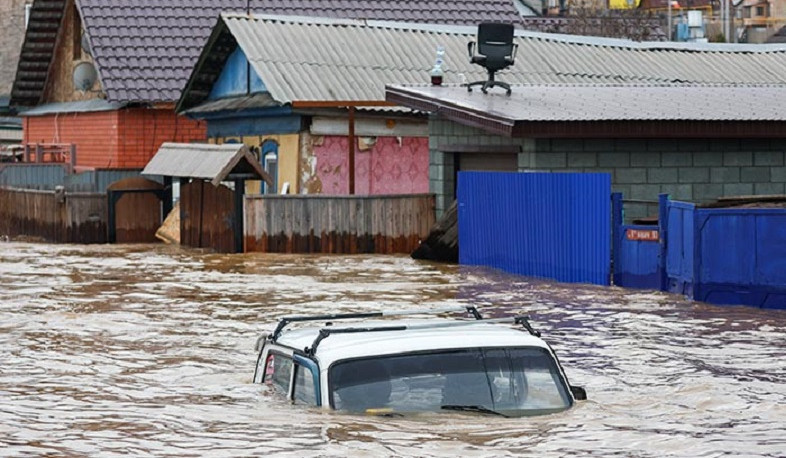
513, 381
278, 372
759, 11
269, 156
304, 386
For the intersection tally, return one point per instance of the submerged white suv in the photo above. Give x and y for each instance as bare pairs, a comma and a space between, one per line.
498, 366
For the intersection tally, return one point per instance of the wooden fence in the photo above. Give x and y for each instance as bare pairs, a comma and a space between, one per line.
53, 216
337, 224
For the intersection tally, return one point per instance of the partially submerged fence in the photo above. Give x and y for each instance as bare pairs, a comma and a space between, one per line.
727, 255
551, 225
715, 255
337, 224
636, 250
54, 216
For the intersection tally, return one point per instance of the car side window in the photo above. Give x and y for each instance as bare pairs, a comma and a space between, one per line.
304, 386
278, 371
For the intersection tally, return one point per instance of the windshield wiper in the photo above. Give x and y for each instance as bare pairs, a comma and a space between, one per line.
479, 409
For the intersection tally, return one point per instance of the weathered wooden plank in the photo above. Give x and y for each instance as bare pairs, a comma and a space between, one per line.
337, 224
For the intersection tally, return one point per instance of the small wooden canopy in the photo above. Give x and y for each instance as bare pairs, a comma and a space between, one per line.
215, 163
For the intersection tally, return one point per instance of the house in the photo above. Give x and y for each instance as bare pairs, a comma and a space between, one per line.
693, 142
104, 77
136, 58
13, 15
762, 18
311, 86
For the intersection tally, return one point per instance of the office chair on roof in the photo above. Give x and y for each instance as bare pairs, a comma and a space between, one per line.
496, 51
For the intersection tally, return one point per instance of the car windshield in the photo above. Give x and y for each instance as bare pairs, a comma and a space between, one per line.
508, 381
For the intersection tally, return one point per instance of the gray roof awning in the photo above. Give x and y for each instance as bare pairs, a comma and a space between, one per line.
246, 102
216, 163
81, 106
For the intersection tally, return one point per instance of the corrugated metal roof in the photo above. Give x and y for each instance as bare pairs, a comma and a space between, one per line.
82, 106
323, 62
208, 162
610, 103
11, 122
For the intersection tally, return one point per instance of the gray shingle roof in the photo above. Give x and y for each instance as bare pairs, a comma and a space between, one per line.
339, 60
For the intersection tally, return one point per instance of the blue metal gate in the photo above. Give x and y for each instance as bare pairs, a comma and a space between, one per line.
551, 225
638, 250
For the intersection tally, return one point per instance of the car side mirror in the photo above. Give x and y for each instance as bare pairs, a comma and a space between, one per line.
579, 393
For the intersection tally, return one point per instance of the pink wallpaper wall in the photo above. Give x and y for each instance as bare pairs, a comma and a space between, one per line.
393, 165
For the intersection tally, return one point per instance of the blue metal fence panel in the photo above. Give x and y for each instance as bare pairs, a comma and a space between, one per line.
742, 256
47, 176
105, 177
32, 176
551, 225
680, 248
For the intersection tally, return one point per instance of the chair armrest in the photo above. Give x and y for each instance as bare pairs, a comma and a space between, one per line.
471, 49
515, 50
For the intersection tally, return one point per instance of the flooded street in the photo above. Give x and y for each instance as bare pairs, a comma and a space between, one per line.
147, 350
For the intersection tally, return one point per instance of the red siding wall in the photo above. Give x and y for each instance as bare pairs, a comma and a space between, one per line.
114, 139
95, 135
144, 130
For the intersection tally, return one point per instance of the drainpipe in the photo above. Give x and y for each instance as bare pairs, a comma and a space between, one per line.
352, 150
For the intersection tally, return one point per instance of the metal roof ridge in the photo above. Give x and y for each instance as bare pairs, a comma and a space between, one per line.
564, 38
372, 23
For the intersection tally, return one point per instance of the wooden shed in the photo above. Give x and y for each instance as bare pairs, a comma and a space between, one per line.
212, 185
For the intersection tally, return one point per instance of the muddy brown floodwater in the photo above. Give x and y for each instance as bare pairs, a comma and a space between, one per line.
147, 350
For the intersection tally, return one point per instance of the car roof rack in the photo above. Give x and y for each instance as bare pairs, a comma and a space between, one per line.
471, 309
324, 333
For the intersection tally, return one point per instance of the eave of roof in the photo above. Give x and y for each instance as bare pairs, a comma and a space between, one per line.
584, 111
82, 106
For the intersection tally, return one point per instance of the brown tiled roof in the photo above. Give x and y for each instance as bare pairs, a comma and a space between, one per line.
611, 25
145, 50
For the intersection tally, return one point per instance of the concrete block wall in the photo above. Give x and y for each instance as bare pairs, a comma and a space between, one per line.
441, 163
695, 170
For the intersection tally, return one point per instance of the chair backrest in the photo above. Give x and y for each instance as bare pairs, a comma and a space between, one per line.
495, 40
